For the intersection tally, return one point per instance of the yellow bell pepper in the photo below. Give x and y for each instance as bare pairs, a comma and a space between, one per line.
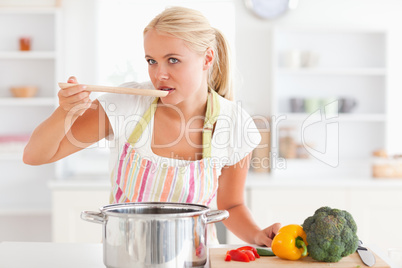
290, 242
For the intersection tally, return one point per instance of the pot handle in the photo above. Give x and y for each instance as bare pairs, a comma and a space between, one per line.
216, 215
92, 216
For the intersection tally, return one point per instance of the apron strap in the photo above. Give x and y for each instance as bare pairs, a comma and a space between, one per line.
213, 110
143, 123
211, 115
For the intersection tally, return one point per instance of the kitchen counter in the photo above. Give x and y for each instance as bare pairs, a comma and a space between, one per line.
66, 255
254, 180
382, 197
50, 255
257, 180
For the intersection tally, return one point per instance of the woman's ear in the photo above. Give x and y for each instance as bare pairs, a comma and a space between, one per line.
209, 58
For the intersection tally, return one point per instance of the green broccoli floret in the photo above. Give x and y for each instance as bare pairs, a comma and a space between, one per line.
331, 234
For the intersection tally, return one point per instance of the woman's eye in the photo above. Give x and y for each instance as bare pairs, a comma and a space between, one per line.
151, 61
173, 60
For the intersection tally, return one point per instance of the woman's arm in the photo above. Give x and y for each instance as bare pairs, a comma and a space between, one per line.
75, 124
231, 197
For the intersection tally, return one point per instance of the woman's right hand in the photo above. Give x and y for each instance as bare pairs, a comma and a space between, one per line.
74, 99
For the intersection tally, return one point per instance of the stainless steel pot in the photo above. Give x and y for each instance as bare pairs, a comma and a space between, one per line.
154, 234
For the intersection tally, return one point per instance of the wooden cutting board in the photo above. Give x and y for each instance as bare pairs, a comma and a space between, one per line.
217, 260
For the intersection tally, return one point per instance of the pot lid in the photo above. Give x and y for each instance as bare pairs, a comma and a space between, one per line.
154, 209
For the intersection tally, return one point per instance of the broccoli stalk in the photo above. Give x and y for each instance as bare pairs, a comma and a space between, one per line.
331, 234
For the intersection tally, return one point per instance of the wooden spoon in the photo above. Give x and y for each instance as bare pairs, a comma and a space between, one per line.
119, 90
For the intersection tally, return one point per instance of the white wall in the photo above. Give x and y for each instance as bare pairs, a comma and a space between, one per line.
79, 35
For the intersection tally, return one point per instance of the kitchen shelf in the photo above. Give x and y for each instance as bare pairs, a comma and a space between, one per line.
334, 71
318, 65
341, 117
24, 194
40, 55
36, 101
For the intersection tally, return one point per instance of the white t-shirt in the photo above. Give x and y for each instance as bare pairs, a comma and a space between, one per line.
234, 137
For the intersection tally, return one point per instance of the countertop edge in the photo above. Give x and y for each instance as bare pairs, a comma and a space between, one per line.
254, 181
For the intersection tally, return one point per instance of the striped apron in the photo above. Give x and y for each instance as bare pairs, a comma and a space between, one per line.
139, 179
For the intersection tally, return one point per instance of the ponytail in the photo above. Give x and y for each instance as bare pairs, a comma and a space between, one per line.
220, 77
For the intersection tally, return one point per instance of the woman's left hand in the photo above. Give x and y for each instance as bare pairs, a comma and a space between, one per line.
265, 236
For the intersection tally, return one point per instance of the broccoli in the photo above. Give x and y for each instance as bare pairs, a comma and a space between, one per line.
331, 234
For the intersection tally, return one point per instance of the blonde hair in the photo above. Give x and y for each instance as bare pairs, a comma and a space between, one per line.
192, 27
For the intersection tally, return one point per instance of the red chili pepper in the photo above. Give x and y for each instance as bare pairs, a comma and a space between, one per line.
253, 249
238, 255
250, 255
228, 257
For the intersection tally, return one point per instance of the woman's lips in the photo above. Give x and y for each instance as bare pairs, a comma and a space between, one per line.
169, 89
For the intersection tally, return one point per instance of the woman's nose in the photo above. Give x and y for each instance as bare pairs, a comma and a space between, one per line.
161, 73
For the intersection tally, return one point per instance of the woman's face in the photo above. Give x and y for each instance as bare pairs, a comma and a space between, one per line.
173, 67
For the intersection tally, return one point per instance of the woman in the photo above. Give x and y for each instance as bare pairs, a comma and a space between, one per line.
190, 146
